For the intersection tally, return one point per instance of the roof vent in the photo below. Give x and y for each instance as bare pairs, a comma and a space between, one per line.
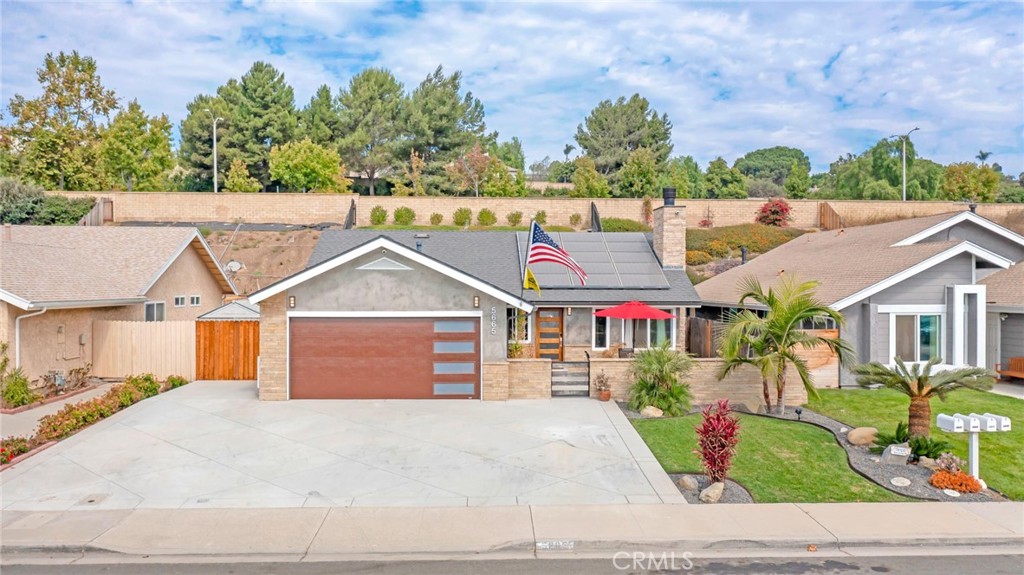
421, 236
669, 195
419, 246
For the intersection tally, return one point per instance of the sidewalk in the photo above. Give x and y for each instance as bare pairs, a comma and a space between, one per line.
25, 423
352, 533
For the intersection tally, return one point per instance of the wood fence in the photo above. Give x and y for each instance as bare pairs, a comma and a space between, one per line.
101, 213
162, 348
227, 349
703, 337
828, 217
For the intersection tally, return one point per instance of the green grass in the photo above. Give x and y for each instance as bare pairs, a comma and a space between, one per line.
777, 461
1002, 454
474, 228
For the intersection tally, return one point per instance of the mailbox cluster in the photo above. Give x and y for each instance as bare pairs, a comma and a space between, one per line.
973, 423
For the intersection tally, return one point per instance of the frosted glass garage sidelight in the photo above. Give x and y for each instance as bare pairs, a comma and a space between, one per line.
448, 326
447, 368
454, 389
454, 347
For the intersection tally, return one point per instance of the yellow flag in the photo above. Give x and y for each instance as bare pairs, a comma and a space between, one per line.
530, 282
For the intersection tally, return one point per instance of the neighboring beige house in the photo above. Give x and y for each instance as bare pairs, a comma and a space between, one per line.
55, 281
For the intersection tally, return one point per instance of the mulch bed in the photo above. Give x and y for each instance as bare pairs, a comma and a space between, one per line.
733, 493
51, 399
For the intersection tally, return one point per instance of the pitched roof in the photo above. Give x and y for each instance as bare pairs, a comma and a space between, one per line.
493, 257
844, 262
84, 266
1006, 287
238, 310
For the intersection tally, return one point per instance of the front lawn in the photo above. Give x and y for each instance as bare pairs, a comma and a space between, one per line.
777, 461
1002, 454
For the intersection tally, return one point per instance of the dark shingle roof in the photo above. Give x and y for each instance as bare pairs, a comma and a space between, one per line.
493, 257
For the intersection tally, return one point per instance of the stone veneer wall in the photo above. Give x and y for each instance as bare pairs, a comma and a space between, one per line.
529, 378
495, 381
273, 362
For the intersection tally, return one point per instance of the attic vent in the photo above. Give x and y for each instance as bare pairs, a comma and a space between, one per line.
384, 264
421, 236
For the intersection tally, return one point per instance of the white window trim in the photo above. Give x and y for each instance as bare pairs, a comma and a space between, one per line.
154, 303
593, 331
917, 341
529, 325
184, 300
959, 330
198, 299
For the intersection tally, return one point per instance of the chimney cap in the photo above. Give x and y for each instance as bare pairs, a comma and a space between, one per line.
669, 196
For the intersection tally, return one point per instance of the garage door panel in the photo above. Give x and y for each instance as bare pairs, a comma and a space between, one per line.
384, 358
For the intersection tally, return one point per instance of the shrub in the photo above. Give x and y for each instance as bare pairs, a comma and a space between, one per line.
717, 436
378, 215
486, 217
16, 390
146, 384
575, 220
657, 372
11, 447
695, 276
176, 381
462, 217
623, 225
695, 258
706, 223
718, 248
205, 231
958, 481
541, 217
775, 212
949, 463
922, 446
18, 200
404, 216
514, 218
721, 266
883, 440
756, 237
435, 219
62, 211
75, 416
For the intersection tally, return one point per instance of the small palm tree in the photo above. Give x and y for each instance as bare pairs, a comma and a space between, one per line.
657, 374
919, 384
770, 343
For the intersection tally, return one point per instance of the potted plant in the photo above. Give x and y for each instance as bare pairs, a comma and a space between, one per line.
604, 389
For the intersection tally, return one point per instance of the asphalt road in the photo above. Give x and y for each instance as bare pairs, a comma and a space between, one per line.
900, 565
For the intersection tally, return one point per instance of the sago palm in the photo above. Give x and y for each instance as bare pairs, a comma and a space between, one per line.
771, 343
919, 384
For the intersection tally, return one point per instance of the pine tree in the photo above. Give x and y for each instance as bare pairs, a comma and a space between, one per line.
370, 122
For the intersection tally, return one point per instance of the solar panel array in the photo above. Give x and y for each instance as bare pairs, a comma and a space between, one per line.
612, 261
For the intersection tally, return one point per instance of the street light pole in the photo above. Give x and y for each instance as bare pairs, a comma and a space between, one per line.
905, 138
215, 120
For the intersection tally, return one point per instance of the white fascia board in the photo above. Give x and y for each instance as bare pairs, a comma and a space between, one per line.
963, 217
912, 308
1005, 308
964, 247
181, 249
14, 300
216, 262
399, 249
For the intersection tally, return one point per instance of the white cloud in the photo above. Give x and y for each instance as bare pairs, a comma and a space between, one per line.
731, 77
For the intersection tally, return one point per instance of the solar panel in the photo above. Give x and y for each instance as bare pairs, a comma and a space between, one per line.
611, 260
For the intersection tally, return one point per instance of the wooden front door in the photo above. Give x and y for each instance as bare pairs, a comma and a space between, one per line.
549, 333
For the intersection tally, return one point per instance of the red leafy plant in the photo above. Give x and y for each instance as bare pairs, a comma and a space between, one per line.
774, 212
717, 436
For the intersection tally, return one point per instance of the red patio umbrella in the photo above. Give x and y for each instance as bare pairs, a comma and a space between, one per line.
633, 310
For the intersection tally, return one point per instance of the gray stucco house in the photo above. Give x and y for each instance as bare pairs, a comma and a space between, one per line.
913, 289
402, 314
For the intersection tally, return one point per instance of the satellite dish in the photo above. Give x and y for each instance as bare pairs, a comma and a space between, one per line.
234, 265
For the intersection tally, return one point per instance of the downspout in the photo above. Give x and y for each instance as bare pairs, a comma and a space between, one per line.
17, 335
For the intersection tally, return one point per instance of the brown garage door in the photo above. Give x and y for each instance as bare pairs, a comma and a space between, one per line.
384, 358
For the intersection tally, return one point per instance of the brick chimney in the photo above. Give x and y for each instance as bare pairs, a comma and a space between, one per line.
670, 231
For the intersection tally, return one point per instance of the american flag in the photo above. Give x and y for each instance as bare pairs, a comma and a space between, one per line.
544, 249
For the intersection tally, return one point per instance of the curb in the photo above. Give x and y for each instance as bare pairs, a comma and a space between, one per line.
47, 401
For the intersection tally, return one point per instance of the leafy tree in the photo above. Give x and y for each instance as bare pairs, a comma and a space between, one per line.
612, 131
921, 385
499, 181
798, 183
511, 153
239, 180
684, 174
136, 148
758, 188
887, 160
587, 181
540, 169
319, 120
639, 176
1010, 192
371, 122
442, 123
18, 200
561, 171
309, 167
770, 342
723, 182
773, 164
881, 190
968, 181
57, 134
470, 170
411, 182
262, 116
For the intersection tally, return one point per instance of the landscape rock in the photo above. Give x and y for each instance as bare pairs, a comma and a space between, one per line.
862, 435
651, 411
712, 493
951, 492
900, 481
927, 463
688, 482
896, 454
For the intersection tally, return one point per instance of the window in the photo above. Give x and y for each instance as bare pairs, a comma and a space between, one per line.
820, 322
654, 332
179, 301
916, 337
194, 301
518, 325
155, 311
601, 332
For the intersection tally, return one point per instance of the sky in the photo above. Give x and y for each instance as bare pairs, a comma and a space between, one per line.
830, 78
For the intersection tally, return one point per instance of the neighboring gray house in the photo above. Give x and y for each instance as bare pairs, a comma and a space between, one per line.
909, 288
1005, 297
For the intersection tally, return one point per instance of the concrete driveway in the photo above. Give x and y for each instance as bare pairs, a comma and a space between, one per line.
213, 445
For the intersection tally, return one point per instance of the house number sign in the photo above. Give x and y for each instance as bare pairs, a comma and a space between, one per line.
494, 320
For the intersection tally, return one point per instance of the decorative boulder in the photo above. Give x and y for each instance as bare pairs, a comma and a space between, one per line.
651, 411
927, 463
712, 493
688, 483
862, 436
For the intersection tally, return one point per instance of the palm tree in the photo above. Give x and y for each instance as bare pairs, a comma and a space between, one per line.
982, 156
919, 384
770, 342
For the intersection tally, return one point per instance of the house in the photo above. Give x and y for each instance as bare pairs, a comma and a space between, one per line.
55, 281
910, 288
1005, 321
432, 315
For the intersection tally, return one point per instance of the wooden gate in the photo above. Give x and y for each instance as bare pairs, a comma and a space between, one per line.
227, 349
703, 336
162, 348
828, 217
